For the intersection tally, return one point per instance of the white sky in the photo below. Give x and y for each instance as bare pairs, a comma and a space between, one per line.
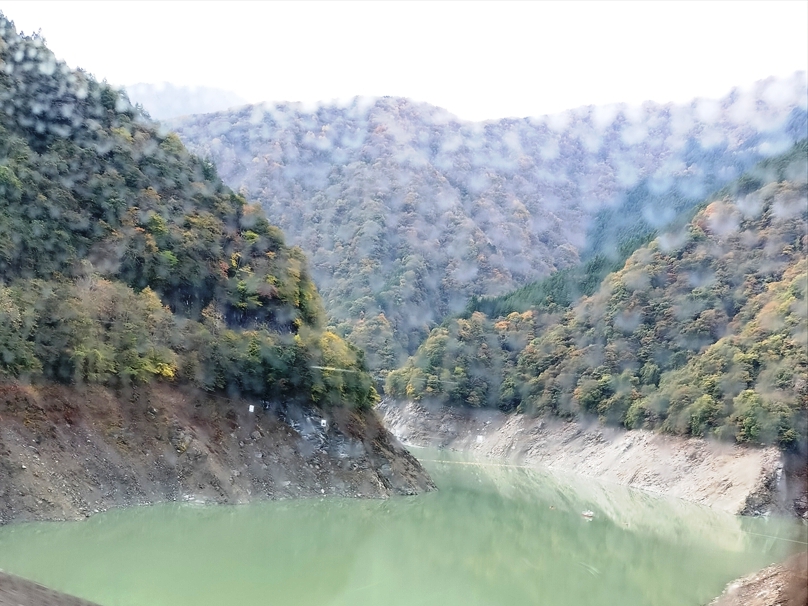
479, 60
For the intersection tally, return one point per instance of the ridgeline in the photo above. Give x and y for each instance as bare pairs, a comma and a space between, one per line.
154, 325
407, 212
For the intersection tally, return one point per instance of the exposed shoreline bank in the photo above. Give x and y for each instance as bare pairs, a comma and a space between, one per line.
67, 453
731, 478
16, 591
784, 584
737, 480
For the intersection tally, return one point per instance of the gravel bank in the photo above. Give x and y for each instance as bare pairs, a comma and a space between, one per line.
783, 584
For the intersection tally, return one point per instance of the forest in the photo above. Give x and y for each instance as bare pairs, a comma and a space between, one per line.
124, 258
464, 258
365, 351
702, 331
407, 212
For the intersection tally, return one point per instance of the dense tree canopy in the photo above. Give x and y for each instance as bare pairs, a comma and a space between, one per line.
406, 211
702, 331
124, 258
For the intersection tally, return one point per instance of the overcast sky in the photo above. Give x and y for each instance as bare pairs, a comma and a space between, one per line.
478, 60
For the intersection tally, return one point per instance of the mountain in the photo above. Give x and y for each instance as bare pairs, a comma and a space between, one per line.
126, 259
703, 331
614, 233
406, 211
154, 324
164, 101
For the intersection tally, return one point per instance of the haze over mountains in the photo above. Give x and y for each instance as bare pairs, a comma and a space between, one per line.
702, 331
407, 211
164, 101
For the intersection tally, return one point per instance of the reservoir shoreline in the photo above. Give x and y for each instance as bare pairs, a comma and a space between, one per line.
728, 477
68, 453
731, 478
16, 591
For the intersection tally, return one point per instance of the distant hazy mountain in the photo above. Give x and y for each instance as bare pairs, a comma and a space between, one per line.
406, 211
164, 101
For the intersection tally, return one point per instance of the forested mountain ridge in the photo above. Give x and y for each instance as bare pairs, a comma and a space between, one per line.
124, 259
614, 234
704, 331
407, 211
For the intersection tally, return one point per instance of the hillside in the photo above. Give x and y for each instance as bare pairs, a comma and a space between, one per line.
406, 211
125, 263
702, 332
615, 232
125, 258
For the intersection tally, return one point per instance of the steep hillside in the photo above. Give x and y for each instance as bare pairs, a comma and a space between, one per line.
702, 332
124, 257
67, 452
125, 261
406, 211
614, 234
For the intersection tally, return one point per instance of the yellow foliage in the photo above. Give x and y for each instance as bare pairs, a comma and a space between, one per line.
123, 134
167, 371
151, 300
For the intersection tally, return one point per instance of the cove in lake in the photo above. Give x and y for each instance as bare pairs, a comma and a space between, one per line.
492, 535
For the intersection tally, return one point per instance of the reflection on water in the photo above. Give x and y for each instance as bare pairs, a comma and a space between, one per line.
493, 535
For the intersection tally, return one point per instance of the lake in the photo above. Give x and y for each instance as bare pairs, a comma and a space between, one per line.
492, 535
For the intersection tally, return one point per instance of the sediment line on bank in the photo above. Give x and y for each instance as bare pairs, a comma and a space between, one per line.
66, 453
728, 477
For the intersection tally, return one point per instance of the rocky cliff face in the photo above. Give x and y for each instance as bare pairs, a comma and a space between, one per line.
66, 453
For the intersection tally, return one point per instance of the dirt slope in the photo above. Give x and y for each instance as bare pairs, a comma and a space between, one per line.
15, 591
68, 453
727, 477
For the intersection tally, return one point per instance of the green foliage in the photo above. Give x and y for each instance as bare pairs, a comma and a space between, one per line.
376, 337
124, 259
460, 364
704, 331
408, 212
17, 327
615, 233
704, 413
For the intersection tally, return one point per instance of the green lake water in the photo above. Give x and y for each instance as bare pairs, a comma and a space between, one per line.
492, 535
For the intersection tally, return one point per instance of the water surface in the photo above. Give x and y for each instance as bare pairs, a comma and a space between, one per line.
493, 535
